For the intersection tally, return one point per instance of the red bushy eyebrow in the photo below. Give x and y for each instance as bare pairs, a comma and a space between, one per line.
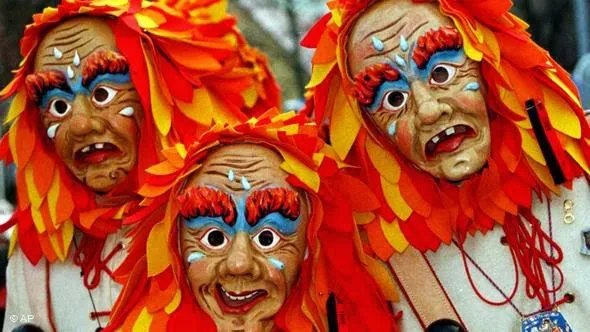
38, 84
207, 202
367, 81
445, 38
103, 62
264, 202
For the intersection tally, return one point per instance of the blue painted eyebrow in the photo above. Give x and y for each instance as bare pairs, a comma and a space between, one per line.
400, 84
448, 56
55, 93
206, 222
109, 78
74, 88
275, 220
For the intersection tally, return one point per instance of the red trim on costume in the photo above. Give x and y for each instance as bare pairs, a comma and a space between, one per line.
367, 81
444, 291
445, 38
264, 202
401, 287
48, 298
88, 258
95, 315
207, 202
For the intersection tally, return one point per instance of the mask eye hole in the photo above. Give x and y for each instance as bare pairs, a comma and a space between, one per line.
59, 108
103, 95
395, 100
214, 239
266, 239
442, 74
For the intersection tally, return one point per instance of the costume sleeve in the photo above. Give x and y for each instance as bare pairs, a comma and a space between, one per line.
26, 302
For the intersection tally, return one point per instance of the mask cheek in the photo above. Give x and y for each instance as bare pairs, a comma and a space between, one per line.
404, 139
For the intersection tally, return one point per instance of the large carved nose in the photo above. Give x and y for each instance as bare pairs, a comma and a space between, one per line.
240, 259
84, 121
430, 110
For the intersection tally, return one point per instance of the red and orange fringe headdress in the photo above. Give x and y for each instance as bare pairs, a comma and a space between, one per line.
189, 75
157, 297
424, 212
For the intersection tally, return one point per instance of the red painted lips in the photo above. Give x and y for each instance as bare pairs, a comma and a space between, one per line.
96, 153
238, 303
448, 140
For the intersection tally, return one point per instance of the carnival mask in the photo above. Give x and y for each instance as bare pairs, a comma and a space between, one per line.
89, 107
419, 89
242, 236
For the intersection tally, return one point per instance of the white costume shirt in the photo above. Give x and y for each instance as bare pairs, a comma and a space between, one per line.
496, 261
70, 300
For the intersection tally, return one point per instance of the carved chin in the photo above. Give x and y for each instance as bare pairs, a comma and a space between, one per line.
462, 165
104, 178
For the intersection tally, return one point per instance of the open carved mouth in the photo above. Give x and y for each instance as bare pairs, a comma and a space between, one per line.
238, 303
96, 153
448, 140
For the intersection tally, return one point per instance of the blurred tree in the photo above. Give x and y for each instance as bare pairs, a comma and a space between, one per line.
552, 25
14, 15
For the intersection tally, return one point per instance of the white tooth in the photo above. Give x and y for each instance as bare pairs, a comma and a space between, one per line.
99, 146
250, 295
86, 149
435, 139
127, 111
240, 298
450, 131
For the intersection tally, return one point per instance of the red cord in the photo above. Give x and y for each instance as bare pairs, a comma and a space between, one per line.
96, 314
48, 294
477, 292
530, 247
87, 257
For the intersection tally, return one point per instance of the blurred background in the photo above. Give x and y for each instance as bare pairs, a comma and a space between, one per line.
276, 27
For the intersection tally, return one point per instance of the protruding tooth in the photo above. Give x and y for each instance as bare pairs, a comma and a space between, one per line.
99, 146
52, 130
71, 73
57, 53
76, 61
249, 296
240, 298
450, 131
86, 149
127, 111
435, 139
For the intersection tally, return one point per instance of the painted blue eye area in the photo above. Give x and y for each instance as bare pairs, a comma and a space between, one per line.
394, 94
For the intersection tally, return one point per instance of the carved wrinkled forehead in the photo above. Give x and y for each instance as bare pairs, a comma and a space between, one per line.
386, 21
240, 168
84, 35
